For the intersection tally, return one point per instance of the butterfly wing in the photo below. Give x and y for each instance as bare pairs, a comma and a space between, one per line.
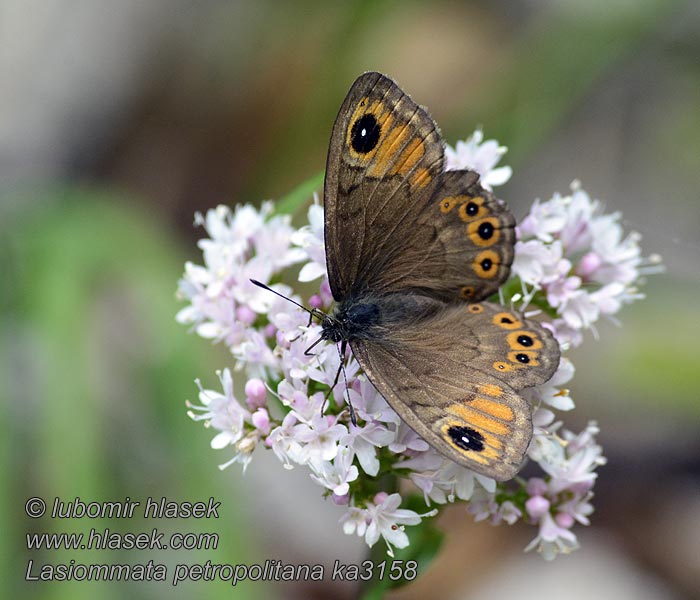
454, 378
385, 160
394, 219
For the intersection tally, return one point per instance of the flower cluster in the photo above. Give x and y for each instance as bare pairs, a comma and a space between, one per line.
572, 263
578, 262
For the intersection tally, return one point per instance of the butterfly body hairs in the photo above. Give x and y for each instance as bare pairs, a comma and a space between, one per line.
413, 251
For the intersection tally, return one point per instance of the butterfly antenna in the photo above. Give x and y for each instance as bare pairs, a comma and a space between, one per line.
316, 313
269, 289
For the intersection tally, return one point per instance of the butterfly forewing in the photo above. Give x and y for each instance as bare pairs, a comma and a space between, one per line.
385, 161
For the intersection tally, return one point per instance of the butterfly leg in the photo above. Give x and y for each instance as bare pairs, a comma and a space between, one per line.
308, 352
341, 368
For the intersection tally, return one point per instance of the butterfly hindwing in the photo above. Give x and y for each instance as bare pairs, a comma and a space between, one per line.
443, 375
458, 248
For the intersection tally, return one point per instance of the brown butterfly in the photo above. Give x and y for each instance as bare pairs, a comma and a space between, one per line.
412, 253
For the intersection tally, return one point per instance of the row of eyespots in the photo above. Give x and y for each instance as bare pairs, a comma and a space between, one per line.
482, 231
524, 345
522, 339
506, 320
470, 209
448, 203
466, 292
485, 265
485, 232
517, 340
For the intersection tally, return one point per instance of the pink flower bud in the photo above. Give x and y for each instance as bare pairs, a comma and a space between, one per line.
536, 486
343, 500
380, 497
315, 301
255, 392
564, 520
261, 421
281, 341
537, 506
588, 264
245, 315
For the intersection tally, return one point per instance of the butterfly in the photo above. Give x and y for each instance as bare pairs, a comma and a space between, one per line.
413, 251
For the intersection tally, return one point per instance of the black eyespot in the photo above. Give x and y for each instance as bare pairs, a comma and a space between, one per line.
365, 133
472, 208
485, 230
507, 320
486, 264
466, 438
523, 358
525, 340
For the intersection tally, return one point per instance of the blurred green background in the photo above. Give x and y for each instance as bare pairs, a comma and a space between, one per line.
119, 120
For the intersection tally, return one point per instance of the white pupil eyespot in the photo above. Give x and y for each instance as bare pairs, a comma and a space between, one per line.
363, 133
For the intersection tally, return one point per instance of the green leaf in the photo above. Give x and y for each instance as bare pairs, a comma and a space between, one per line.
300, 195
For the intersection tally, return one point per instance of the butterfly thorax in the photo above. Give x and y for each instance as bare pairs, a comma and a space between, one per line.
365, 316
351, 320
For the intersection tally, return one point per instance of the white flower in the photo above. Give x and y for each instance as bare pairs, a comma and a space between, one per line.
441, 479
225, 413
582, 260
537, 263
369, 403
407, 440
423, 472
355, 520
545, 220
243, 245
459, 481
551, 392
479, 156
382, 518
364, 441
577, 461
336, 476
552, 539
283, 441
319, 438
310, 239
483, 506
221, 411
